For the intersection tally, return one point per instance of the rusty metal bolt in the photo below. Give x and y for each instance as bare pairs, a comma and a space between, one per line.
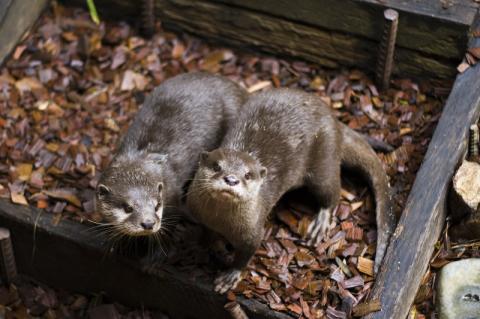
8, 268
148, 18
235, 311
473, 141
387, 49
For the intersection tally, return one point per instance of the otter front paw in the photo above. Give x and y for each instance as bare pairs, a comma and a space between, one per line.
319, 227
227, 280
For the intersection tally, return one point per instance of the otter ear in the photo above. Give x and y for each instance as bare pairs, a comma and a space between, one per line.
160, 188
157, 158
103, 190
263, 172
204, 156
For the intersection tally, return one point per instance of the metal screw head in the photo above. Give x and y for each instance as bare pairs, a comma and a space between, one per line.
390, 14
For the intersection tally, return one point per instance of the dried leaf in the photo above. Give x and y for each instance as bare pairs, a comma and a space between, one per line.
475, 52
366, 308
28, 84
16, 194
133, 80
356, 205
65, 194
365, 266
303, 258
295, 308
24, 171
289, 219
259, 86
462, 67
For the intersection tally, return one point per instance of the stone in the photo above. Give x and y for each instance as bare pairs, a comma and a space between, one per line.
458, 291
465, 194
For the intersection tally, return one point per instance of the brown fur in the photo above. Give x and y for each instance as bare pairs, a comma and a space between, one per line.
182, 117
294, 137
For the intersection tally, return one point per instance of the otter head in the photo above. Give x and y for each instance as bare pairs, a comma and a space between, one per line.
130, 195
230, 176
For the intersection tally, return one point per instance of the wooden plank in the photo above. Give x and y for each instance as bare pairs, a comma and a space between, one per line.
281, 37
426, 26
14, 22
424, 215
233, 23
4, 5
69, 256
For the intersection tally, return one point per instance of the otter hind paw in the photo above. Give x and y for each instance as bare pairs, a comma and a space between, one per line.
319, 227
227, 280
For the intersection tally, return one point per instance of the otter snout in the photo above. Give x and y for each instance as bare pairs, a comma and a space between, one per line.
231, 180
148, 224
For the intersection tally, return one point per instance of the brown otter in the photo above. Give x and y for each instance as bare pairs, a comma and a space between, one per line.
182, 117
283, 139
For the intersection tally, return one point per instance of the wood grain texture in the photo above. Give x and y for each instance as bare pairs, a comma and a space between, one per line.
326, 32
425, 26
258, 31
424, 215
16, 17
4, 5
70, 256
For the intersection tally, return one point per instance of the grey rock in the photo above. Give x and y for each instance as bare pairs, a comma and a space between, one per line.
458, 294
465, 197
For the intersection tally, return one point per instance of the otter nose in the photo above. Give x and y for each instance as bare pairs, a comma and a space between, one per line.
231, 180
148, 224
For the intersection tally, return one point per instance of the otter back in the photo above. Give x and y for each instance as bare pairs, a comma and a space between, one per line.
282, 140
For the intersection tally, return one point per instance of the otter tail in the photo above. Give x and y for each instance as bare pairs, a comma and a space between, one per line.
359, 156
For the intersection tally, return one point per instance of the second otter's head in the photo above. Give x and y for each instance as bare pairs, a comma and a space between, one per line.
130, 195
229, 176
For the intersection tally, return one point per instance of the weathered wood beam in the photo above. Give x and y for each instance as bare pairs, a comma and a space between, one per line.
326, 32
70, 256
426, 26
279, 36
423, 218
16, 17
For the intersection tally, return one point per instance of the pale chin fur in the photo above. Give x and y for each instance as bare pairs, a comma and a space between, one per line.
135, 231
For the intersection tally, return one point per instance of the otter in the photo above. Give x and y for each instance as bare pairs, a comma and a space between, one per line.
283, 139
182, 117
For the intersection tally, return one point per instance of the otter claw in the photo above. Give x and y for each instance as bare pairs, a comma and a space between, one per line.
319, 227
227, 280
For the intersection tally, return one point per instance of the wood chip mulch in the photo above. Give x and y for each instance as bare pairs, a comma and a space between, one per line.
27, 299
71, 88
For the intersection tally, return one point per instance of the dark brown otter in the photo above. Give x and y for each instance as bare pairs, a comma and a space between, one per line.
182, 117
283, 139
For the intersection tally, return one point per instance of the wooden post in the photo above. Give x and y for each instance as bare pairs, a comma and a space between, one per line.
423, 218
16, 17
431, 39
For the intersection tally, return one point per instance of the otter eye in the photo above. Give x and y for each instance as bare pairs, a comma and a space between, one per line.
216, 167
248, 175
128, 209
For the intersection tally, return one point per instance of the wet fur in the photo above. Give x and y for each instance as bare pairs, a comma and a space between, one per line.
294, 135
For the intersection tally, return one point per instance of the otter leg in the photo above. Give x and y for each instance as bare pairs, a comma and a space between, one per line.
325, 183
229, 279
217, 247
